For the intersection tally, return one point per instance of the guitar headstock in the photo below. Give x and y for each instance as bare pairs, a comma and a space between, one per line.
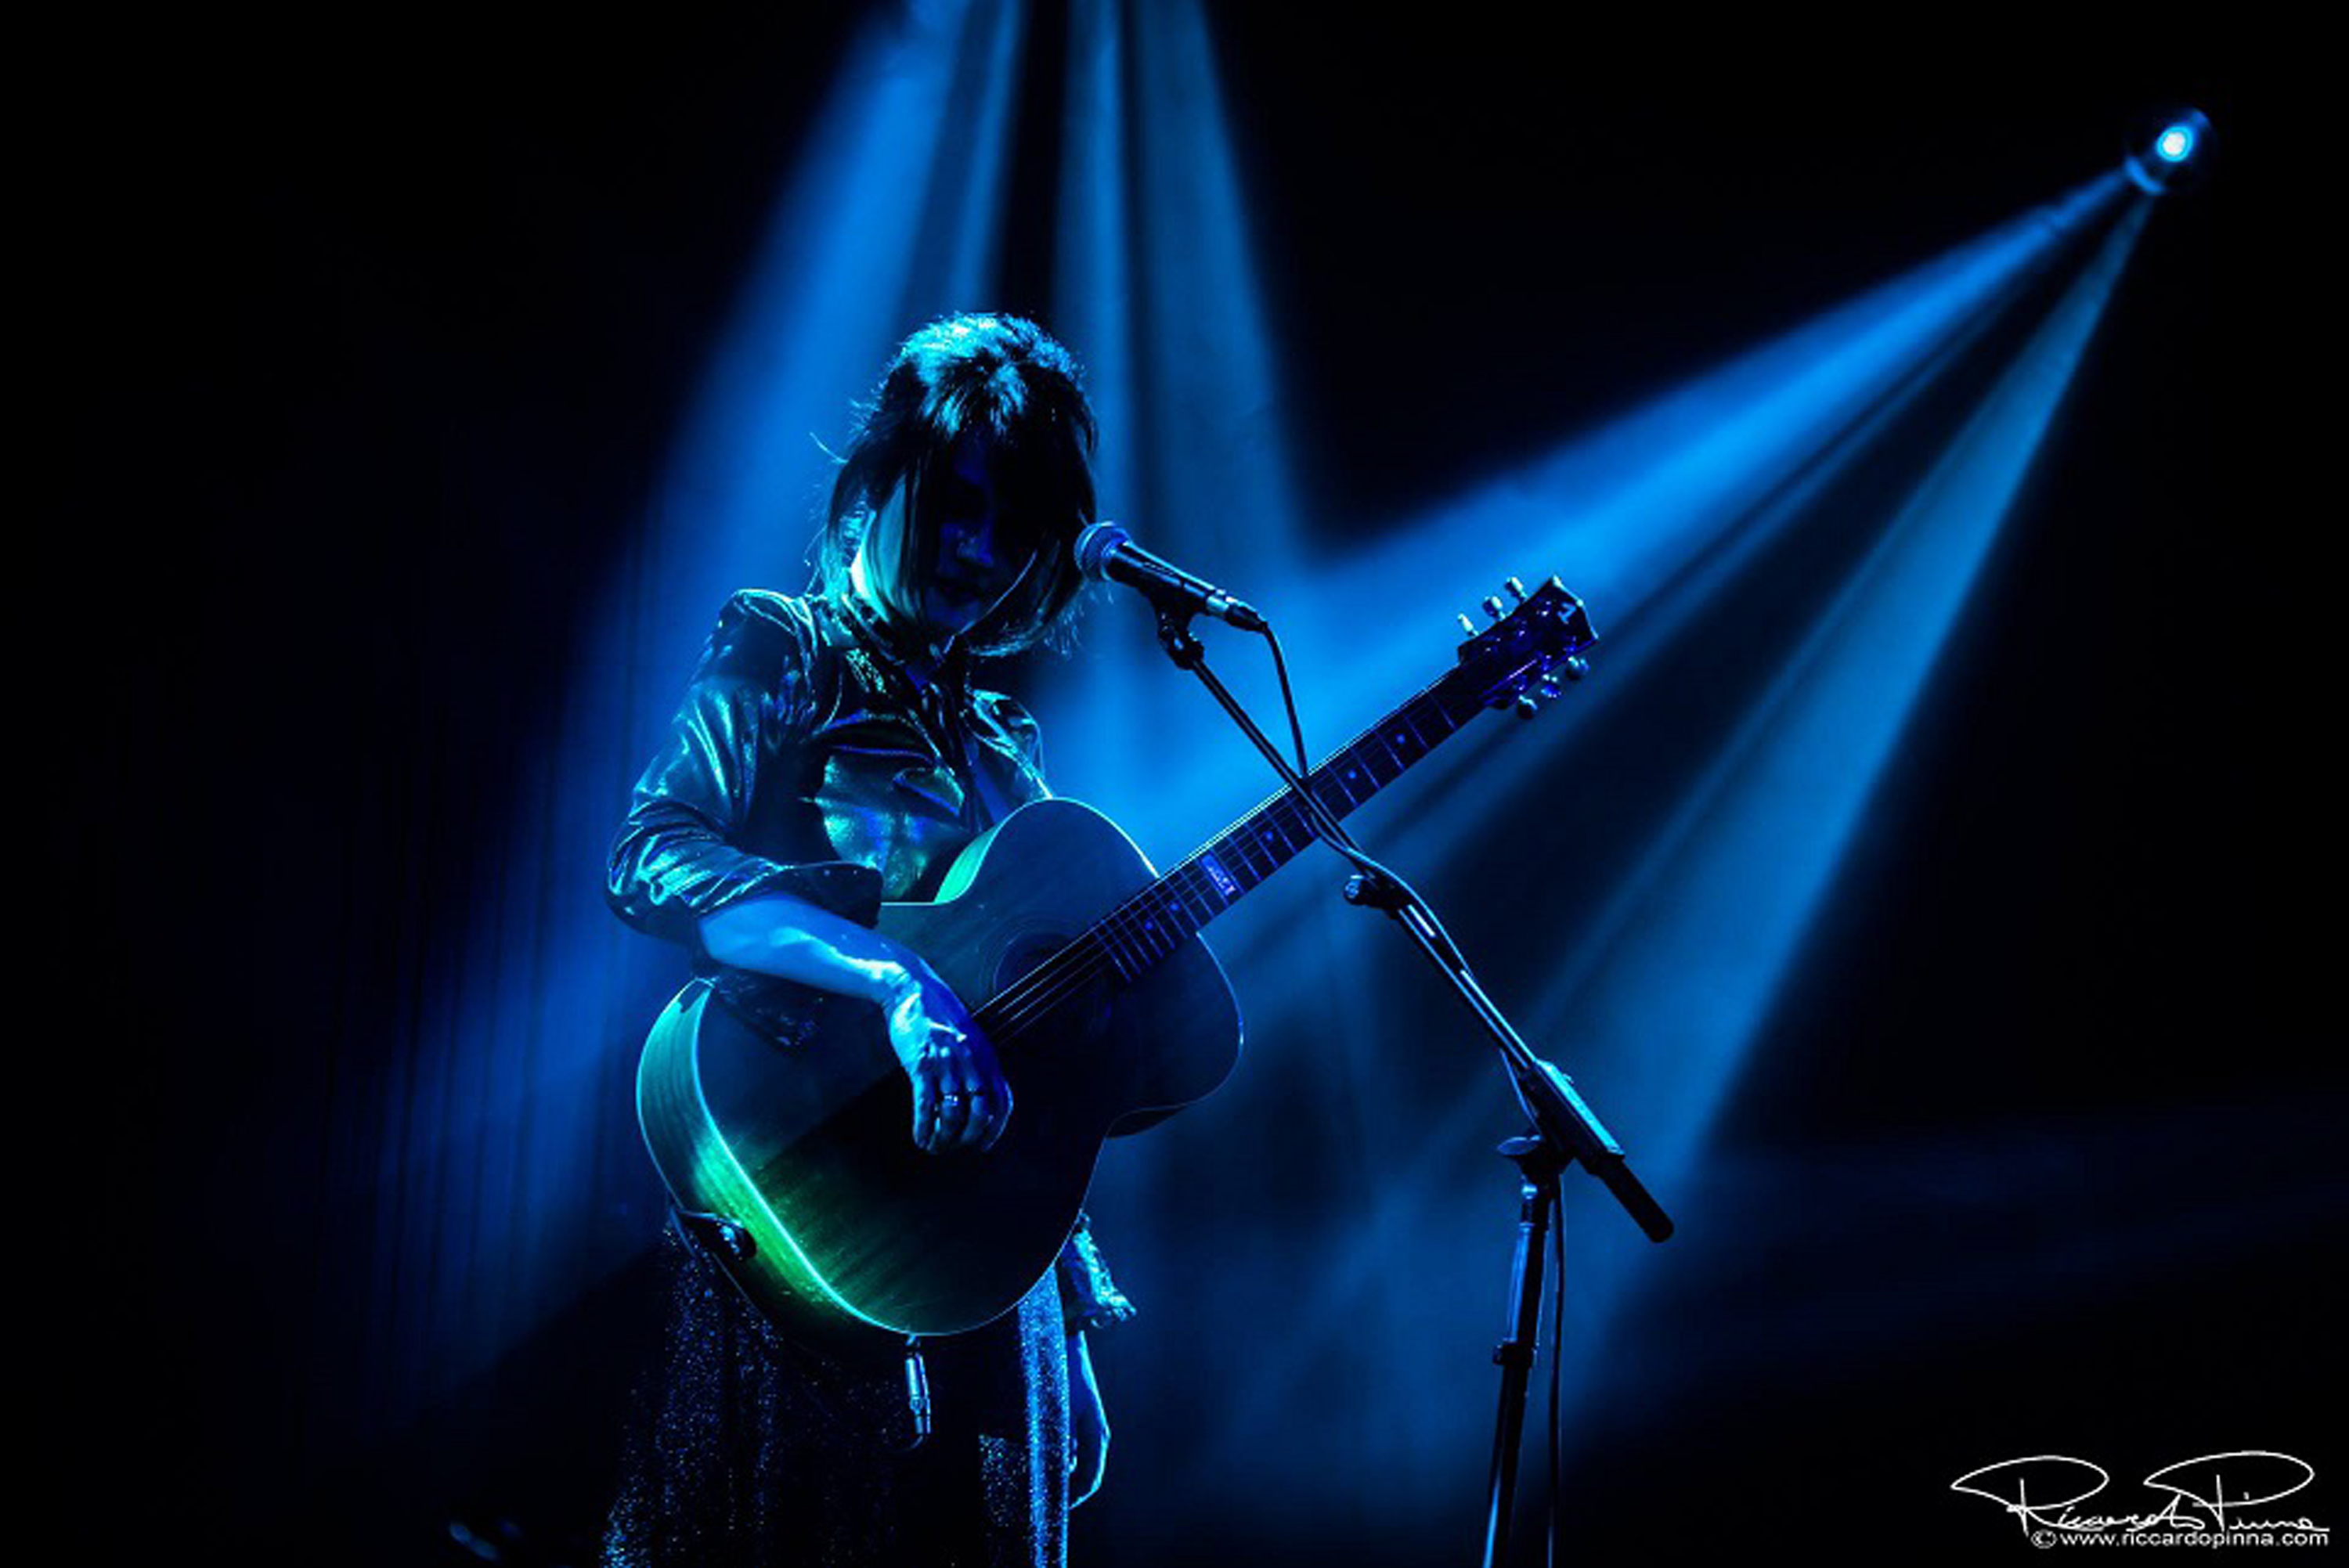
1522, 657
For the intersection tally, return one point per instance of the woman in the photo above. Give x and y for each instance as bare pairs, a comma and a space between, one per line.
764, 838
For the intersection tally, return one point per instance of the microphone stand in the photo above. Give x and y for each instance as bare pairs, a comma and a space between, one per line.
1565, 1129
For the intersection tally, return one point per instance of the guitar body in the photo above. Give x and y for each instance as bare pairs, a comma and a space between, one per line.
810, 1149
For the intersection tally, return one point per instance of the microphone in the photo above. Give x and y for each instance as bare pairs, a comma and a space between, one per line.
1106, 552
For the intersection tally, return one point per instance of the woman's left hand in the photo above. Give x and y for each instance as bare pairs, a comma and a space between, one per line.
1087, 1424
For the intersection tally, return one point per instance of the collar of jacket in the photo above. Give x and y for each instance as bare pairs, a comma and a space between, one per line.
888, 645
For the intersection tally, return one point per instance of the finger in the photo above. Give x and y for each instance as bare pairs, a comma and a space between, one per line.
998, 1091
972, 1133
1000, 1117
986, 1119
990, 1103
955, 1106
970, 1127
974, 1079
990, 1096
926, 1103
934, 1074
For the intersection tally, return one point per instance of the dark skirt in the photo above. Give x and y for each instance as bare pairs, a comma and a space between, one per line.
752, 1448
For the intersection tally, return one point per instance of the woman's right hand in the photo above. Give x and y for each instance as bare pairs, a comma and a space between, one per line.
960, 1101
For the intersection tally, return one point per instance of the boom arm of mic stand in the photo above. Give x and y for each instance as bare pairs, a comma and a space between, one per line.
1558, 1112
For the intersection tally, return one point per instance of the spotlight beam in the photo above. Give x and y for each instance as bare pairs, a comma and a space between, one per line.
1693, 948
1621, 512
1161, 290
1668, 506
1485, 778
515, 1010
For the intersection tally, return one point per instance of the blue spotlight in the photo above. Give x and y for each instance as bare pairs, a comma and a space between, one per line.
450, 1154
2167, 152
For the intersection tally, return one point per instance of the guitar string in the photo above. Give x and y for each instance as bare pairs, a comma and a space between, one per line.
1068, 972
1053, 982
1063, 975
1046, 987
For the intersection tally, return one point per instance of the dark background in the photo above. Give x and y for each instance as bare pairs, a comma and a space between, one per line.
374, 340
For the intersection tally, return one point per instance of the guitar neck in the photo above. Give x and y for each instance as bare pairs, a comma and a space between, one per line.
1543, 636
1154, 921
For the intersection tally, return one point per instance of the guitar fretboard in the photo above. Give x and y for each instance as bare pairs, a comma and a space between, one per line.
1148, 926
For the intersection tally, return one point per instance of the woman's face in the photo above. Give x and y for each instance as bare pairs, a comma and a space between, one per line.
976, 557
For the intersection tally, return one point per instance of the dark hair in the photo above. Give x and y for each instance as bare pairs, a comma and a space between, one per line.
1009, 379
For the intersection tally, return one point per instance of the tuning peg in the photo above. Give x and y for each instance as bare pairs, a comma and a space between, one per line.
1525, 706
1576, 668
1549, 685
1467, 626
1493, 607
1516, 590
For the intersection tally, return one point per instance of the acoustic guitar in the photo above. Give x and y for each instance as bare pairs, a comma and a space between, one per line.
1085, 968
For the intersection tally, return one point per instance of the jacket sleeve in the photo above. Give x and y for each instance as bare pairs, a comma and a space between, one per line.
1089, 1297
678, 857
